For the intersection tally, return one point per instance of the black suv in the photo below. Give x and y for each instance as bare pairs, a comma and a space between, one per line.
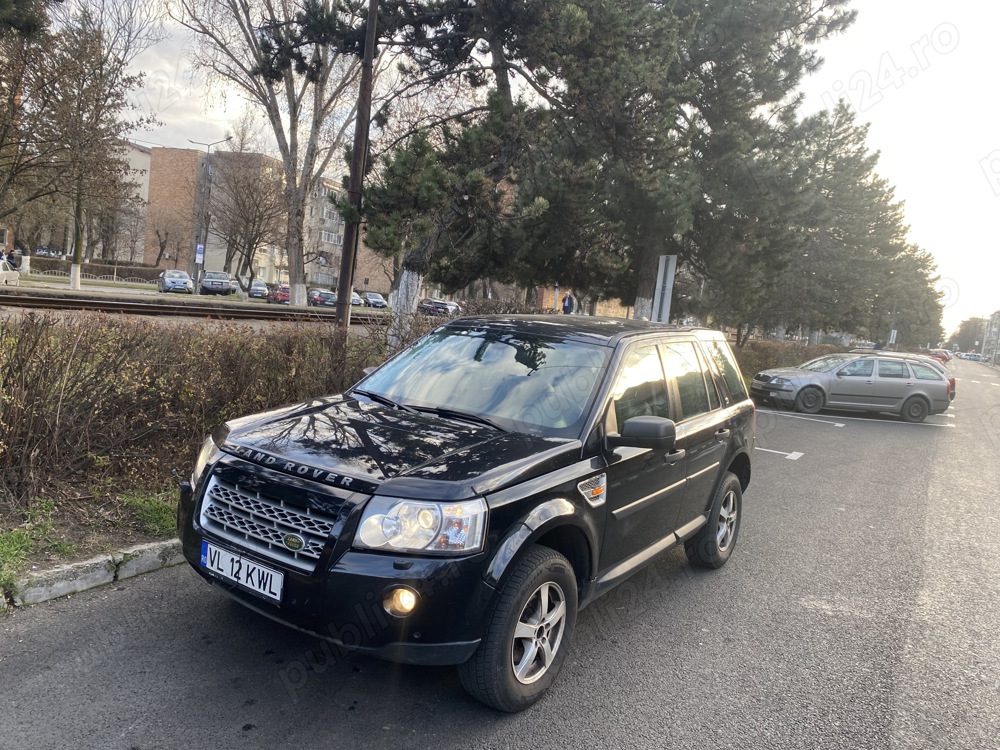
465, 499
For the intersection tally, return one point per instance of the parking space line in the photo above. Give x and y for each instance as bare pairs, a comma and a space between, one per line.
869, 420
793, 456
797, 416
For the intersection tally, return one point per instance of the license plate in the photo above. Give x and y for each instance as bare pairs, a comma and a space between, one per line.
246, 573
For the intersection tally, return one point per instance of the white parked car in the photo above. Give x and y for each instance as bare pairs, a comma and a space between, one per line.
9, 276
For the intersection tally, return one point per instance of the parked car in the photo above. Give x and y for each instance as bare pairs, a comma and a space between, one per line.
258, 289
356, 299
434, 306
217, 282
321, 298
462, 502
940, 354
175, 281
9, 275
373, 299
937, 364
278, 295
859, 382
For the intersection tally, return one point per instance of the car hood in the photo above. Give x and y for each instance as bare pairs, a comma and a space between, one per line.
791, 373
371, 448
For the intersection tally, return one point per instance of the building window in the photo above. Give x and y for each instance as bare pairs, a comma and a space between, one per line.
3, 239
331, 237
330, 212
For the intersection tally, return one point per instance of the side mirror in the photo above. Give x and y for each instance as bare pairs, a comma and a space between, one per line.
658, 433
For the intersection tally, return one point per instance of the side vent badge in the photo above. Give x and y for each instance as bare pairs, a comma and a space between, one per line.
594, 490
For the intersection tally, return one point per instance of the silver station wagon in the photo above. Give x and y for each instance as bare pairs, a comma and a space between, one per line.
860, 382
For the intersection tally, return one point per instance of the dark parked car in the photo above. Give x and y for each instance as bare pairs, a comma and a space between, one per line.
374, 299
857, 382
258, 289
217, 282
434, 306
175, 281
464, 500
321, 298
278, 295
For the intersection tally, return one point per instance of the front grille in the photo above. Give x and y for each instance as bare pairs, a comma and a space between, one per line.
261, 524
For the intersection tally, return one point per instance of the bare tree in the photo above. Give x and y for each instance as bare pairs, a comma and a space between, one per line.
309, 107
97, 41
170, 230
248, 209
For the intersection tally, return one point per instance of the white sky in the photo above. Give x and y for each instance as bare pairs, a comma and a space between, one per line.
919, 71
935, 126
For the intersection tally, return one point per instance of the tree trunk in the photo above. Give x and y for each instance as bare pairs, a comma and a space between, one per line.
74, 269
293, 245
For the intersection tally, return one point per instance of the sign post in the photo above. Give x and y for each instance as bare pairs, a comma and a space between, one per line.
664, 291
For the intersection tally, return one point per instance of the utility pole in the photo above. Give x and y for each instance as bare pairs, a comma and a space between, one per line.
357, 176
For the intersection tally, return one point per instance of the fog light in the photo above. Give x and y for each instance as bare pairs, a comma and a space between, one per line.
399, 602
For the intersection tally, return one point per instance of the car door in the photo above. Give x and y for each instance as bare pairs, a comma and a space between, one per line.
893, 384
702, 429
645, 486
853, 385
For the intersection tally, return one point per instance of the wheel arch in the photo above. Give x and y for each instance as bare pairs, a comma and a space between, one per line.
555, 524
740, 466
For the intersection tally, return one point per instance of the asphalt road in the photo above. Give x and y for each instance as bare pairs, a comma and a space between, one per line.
860, 610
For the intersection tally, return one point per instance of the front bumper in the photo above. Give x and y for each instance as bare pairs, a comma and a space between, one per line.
772, 394
341, 601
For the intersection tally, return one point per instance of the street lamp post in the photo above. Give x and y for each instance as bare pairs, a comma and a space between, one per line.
201, 240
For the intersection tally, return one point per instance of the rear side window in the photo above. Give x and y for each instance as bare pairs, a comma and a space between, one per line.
723, 358
683, 367
640, 390
924, 372
889, 369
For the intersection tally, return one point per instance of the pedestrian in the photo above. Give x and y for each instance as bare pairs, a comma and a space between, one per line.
567, 304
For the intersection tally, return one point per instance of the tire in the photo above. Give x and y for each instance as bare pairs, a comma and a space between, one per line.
509, 672
914, 409
809, 400
712, 546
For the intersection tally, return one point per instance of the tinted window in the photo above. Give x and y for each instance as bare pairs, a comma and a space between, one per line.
723, 358
640, 390
889, 369
533, 383
862, 368
684, 368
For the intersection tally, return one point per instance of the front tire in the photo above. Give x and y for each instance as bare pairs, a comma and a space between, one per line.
809, 400
528, 634
713, 545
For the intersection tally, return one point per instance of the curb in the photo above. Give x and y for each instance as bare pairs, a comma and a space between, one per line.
97, 571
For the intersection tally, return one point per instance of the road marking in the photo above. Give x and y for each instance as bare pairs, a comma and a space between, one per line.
869, 420
975, 381
796, 416
793, 456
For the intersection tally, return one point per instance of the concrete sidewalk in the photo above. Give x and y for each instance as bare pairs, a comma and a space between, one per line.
97, 571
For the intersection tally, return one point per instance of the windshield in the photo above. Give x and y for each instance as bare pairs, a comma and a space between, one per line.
176, 274
825, 364
216, 275
521, 381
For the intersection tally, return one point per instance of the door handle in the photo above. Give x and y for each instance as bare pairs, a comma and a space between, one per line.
674, 456
723, 432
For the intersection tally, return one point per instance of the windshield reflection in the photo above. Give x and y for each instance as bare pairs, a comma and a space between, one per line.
528, 382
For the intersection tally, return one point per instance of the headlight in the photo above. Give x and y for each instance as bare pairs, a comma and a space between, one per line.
780, 381
392, 524
208, 453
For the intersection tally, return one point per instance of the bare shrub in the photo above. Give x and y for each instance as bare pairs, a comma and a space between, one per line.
121, 402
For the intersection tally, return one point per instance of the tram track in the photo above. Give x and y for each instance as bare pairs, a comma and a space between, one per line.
26, 298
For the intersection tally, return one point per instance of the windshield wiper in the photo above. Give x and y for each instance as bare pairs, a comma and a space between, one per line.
379, 398
444, 411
